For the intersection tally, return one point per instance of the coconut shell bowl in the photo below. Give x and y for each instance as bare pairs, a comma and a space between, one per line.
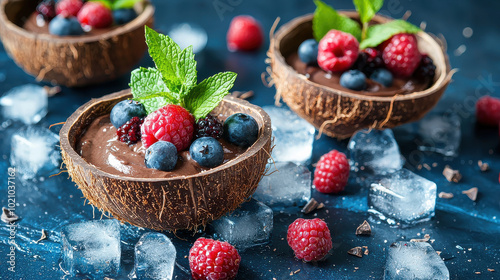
176, 203
338, 113
73, 60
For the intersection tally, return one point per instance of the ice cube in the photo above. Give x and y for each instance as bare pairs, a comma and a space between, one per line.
154, 257
35, 152
375, 150
440, 134
27, 104
414, 260
288, 184
187, 34
249, 225
293, 136
402, 197
92, 248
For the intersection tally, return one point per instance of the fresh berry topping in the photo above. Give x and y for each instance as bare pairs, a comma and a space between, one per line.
309, 239
122, 16
47, 9
426, 68
209, 126
241, 130
382, 76
353, 79
95, 15
207, 152
244, 34
214, 260
308, 51
62, 26
170, 123
332, 172
124, 110
368, 60
488, 110
130, 132
337, 51
161, 155
400, 54
68, 8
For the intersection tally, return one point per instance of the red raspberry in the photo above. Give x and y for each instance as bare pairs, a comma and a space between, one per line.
488, 110
337, 51
68, 7
309, 239
96, 15
332, 172
400, 54
244, 34
170, 123
130, 132
214, 260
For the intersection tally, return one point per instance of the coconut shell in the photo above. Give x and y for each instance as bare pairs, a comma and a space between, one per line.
184, 202
72, 61
339, 113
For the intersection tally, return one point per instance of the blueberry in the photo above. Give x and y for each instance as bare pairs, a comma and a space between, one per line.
162, 155
122, 16
207, 152
308, 51
241, 130
353, 79
62, 26
125, 110
382, 76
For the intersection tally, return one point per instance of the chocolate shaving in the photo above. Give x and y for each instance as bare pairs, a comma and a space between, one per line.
445, 195
452, 175
310, 206
8, 216
483, 166
364, 229
426, 238
471, 193
366, 250
491, 270
43, 237
356, 251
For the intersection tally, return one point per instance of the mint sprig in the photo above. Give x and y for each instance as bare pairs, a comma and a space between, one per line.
378, 33
174, 80
118, 4
327, 18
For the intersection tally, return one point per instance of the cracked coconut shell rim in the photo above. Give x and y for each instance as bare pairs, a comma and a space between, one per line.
338, 113
73, 61
184, 202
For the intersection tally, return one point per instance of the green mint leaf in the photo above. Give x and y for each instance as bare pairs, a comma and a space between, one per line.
326, 18
377, 34
106, 3
124, 4
204, 97
186, 70
367, 8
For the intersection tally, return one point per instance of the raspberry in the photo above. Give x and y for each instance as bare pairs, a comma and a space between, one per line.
332, 172
170, 123
426, 69
214, 260
337, 51
68, 7
96, 15
309, 239
244, 34
47, 9
400, 54
130, 132
368, 60
209, 126
488, 111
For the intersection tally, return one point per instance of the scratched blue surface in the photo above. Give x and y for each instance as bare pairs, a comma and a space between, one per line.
475, 226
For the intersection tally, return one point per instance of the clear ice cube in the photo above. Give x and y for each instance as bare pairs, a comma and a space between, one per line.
92, 248
288, 184
35, 152
414, 260
375, 150
187, 34
249, 225
154, 257
27, 104
293, 136
440, 134
402, 197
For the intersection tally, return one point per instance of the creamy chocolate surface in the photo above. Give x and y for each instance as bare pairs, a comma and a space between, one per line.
100, 146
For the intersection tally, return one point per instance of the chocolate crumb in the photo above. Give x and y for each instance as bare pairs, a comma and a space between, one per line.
445, 195
356, 251
491, 270
8, 216
364, 229
451, 174
477, 272
425, 239
483, 166
43, 237
471, 193
51, 91
366, 250
438, 252
310, 206
435, 164
426, 166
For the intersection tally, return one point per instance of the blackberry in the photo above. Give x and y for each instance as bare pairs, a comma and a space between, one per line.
130, 132
209, 126
368, 60
47, 9
426, 69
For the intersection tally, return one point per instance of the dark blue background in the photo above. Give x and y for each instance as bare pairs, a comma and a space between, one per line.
474, 226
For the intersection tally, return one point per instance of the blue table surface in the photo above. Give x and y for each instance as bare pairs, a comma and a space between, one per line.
475, 226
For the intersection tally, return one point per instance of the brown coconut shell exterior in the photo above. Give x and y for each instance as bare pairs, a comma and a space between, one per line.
72, 61
339, 113
184, 202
